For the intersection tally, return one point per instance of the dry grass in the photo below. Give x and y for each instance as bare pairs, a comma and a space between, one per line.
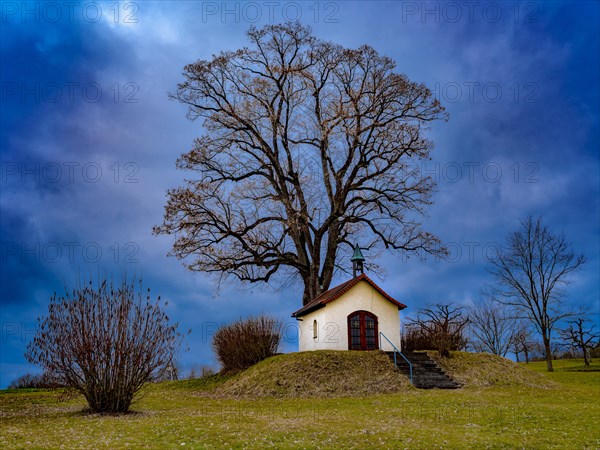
317, 374
172, 415
477, 370
331, 374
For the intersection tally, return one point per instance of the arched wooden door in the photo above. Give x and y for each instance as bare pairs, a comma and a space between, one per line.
362, 331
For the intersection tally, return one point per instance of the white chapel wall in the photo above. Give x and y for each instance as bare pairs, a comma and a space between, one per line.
332, 320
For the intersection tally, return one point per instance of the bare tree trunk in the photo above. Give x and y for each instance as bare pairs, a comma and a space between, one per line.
311, 287
316, 283
548, 354
586, 357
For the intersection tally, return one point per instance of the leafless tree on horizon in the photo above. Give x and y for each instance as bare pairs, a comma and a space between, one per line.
580, 336
493, 328
530, 273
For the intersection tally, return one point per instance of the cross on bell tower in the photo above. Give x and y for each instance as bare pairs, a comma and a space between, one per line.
357, 261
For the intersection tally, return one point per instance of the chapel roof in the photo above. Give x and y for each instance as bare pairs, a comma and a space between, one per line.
334, 293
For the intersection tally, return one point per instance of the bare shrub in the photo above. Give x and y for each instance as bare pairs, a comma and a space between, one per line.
246, 342
105, 342
413, 338
439, 327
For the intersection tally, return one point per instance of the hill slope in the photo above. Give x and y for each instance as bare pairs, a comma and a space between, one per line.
317, 374
328, 374
475, 370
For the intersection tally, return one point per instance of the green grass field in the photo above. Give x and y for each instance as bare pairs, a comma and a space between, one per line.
181, 415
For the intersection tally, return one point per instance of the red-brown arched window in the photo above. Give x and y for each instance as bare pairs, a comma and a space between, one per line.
362, 331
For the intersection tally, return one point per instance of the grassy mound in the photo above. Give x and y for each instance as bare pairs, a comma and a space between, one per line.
330, 374
476, 370
317, 374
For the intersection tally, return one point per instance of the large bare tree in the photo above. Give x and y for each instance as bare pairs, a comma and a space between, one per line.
531, 273
306, 147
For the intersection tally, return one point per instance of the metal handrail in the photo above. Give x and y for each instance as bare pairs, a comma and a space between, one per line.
410, 367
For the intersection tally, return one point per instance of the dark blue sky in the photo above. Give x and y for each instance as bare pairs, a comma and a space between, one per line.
89, 141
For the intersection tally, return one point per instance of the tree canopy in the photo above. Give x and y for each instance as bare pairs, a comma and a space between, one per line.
306, 148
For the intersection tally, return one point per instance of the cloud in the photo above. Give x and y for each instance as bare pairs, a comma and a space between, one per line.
546, 115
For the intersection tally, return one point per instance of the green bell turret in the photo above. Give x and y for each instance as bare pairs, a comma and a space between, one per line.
357, 261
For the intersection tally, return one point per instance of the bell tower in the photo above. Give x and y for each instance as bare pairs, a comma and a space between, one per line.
357, 261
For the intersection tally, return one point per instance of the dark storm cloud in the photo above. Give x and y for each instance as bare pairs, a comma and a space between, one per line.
84, 177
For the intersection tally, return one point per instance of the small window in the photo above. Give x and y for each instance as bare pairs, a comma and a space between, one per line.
315, 329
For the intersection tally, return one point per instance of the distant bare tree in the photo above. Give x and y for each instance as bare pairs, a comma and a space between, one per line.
170, 372
207, 371
530, 273
523, 341
43, 381
200, 371
105, 342
581, 336
493, 327
536, 351
442, 326
306, 147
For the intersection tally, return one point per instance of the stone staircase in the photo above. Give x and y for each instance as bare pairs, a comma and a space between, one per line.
426, 373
